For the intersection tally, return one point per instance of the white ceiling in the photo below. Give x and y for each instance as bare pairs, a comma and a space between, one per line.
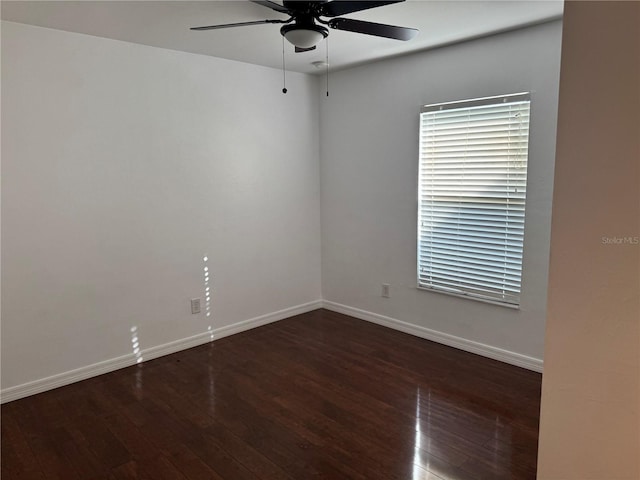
166, 24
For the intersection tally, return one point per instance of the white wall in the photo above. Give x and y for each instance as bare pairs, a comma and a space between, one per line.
369, 166
590, 416
123, 166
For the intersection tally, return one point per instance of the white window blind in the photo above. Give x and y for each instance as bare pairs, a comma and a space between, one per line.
472, 192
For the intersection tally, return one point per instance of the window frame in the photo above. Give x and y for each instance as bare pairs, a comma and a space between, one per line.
523, 98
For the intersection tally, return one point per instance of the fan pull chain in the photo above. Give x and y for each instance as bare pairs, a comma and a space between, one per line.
284, 74
327, 62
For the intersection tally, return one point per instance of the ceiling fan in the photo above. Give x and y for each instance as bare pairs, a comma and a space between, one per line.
305, 27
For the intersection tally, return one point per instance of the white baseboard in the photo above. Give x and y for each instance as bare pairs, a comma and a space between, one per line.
460, 343
72, 376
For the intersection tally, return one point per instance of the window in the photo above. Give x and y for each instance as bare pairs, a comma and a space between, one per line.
472, 191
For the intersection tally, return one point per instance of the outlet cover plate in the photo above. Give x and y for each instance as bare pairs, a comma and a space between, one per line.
195, 305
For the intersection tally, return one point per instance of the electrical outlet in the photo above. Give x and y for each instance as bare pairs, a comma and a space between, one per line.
195, 305
385, 290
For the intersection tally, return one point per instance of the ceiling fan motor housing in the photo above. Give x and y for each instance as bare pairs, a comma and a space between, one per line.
304, 34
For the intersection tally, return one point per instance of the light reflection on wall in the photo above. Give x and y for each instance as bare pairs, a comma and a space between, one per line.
135, 344
207, 294
207, 287
207, 306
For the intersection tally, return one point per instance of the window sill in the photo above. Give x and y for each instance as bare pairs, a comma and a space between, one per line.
471, 297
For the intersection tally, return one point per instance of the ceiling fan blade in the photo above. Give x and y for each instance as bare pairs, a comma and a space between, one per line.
271, 5
240, 24
302, 50
336, 8
376, 29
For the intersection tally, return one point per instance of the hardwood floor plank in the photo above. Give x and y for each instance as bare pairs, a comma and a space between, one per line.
218, 437
316, 396
51, 456
18, 460
158, 469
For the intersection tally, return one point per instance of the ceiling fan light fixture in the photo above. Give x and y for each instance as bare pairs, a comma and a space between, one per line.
304, 36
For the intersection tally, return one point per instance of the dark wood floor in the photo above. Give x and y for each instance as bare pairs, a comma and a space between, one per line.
320, 395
